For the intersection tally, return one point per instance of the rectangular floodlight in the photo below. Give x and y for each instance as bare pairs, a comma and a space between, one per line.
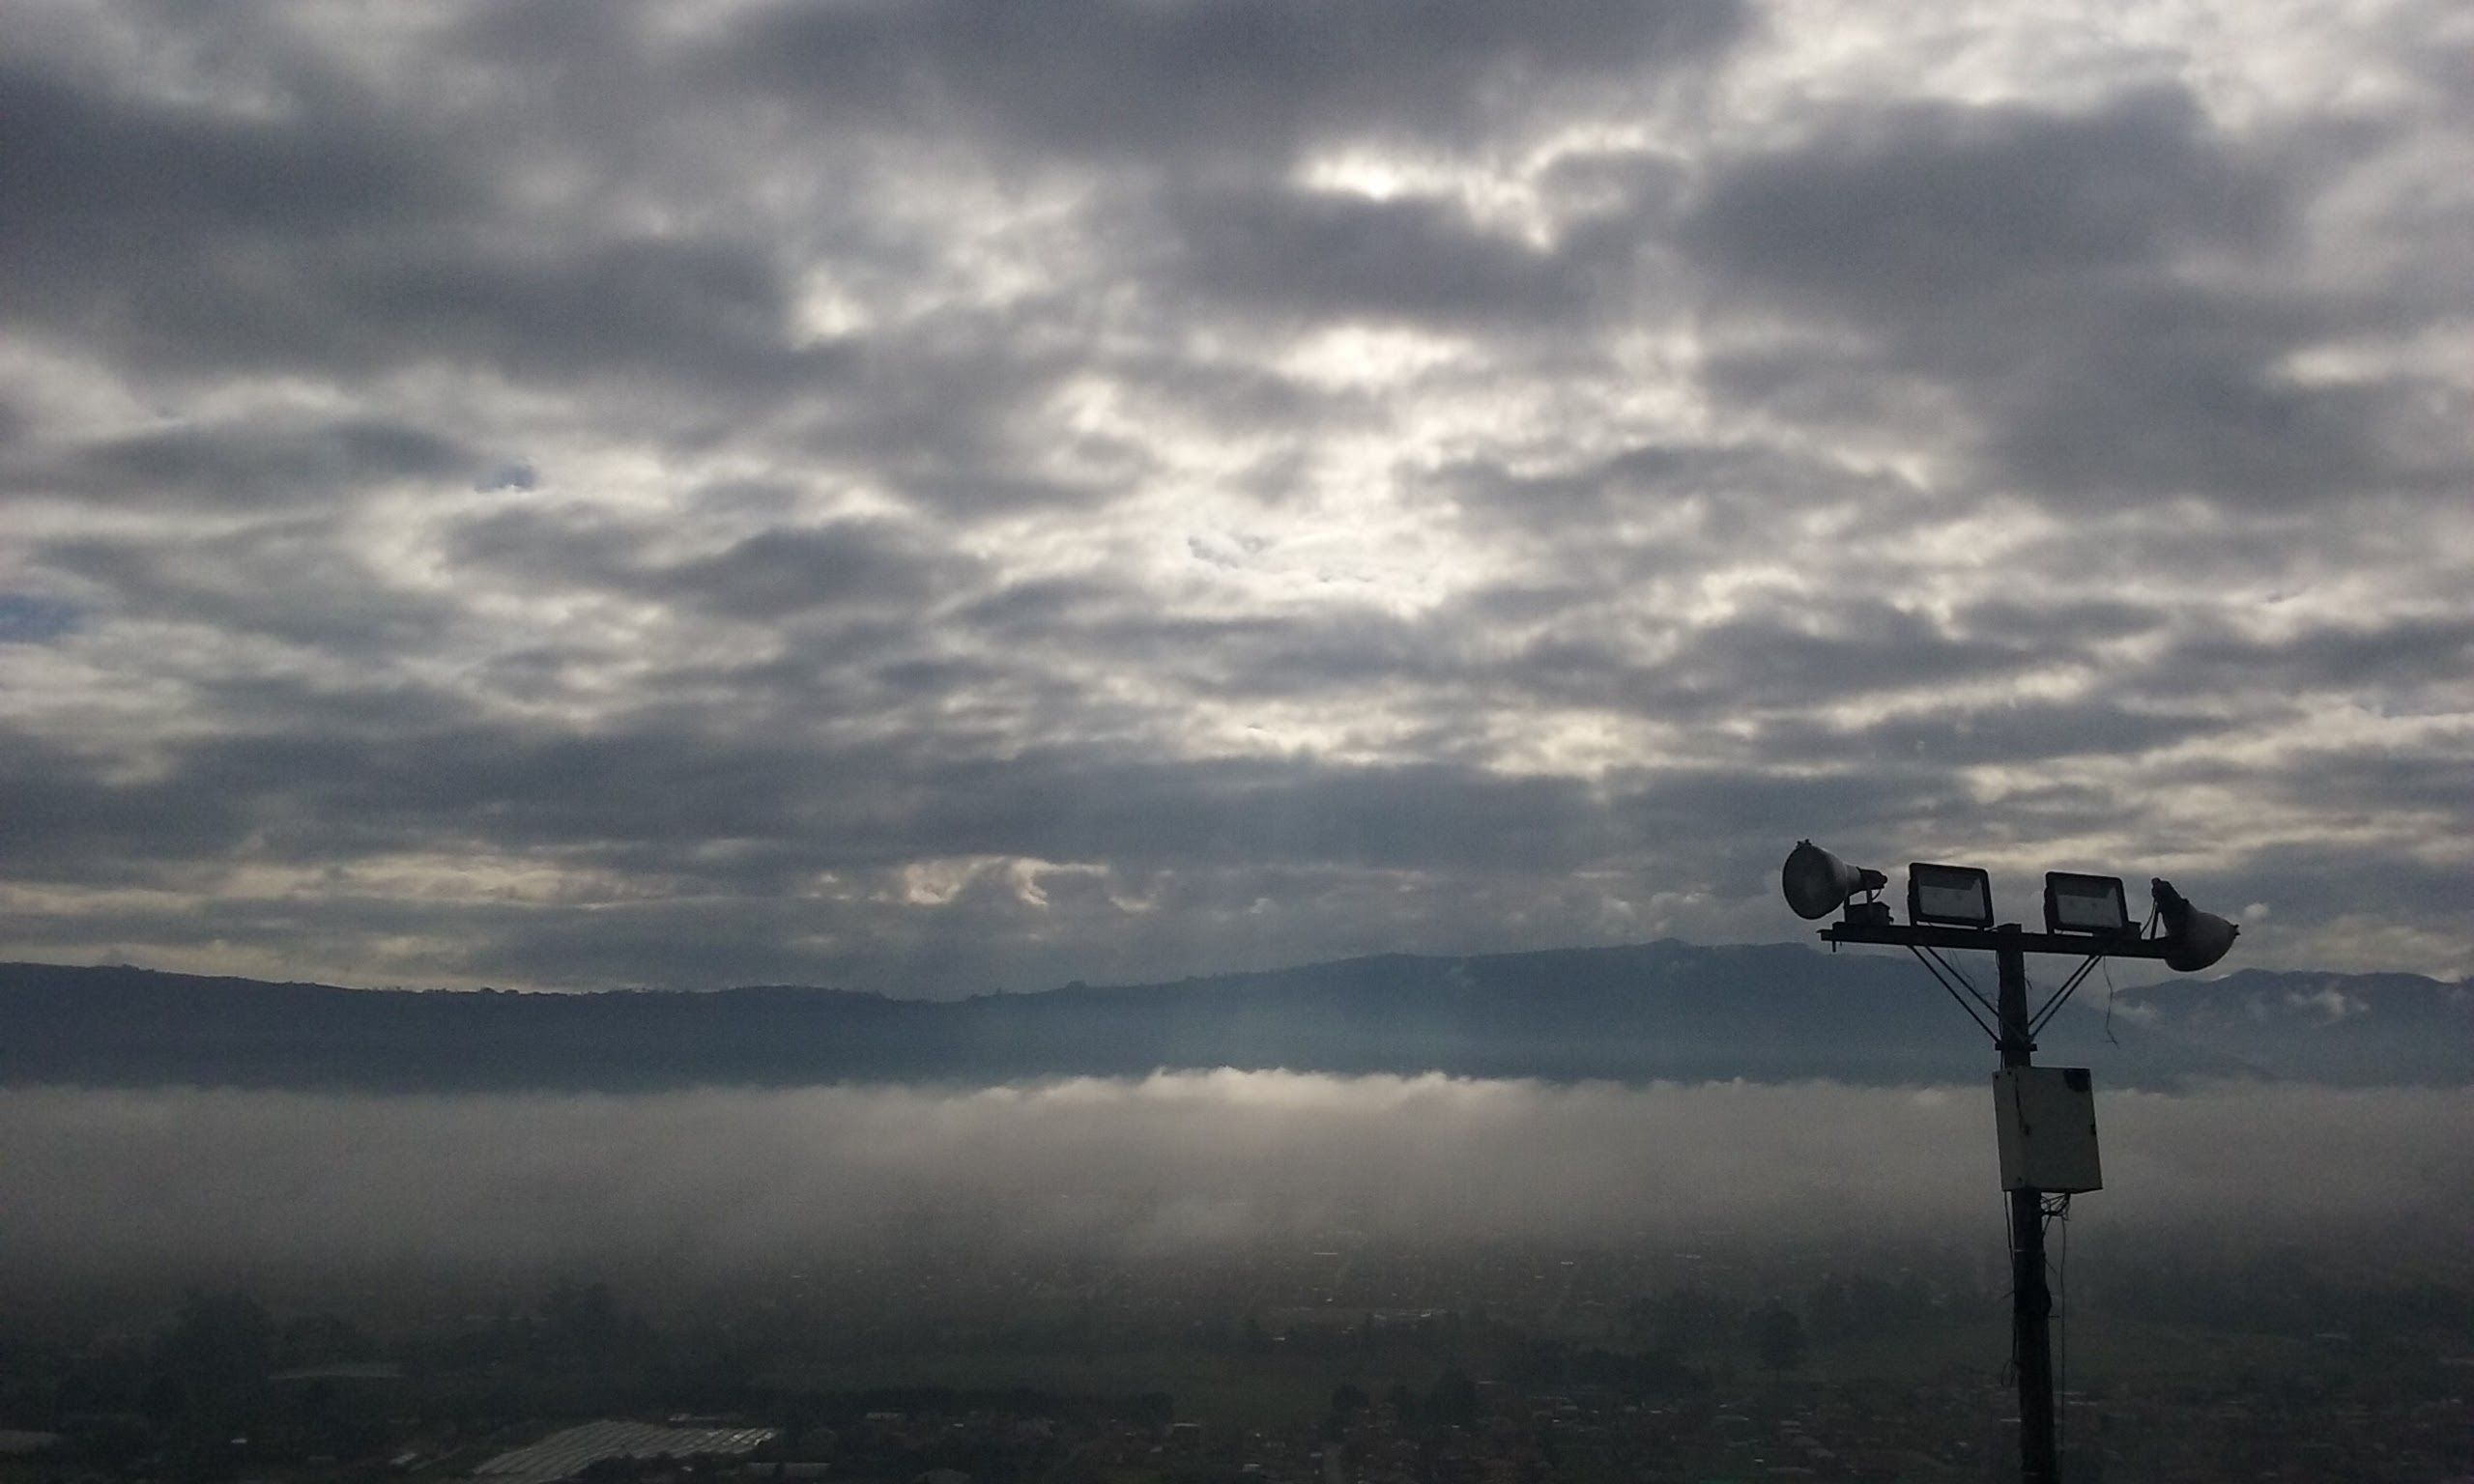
1950, 896
2093, 904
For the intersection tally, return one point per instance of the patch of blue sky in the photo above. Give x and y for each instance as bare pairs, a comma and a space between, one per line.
28, 619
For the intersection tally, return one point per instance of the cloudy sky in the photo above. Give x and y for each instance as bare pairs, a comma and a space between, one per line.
941, 495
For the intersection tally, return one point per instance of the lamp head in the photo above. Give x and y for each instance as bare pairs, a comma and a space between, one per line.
2193, 939
2094, 905
1817, 883
1950, 896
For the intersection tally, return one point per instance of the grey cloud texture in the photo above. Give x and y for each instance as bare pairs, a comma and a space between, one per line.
1131, 81
703, 1184
930, 498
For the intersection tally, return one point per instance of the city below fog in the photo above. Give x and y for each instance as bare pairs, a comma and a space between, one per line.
1245, 1269
302, 1232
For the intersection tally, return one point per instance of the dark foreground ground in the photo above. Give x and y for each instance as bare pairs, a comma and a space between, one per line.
1330, 1362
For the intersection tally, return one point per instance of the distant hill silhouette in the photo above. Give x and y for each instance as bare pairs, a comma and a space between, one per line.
2354, 1029
1666, 1011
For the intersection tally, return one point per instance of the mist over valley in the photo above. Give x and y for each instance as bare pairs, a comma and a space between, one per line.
175, 1187
1652, 1173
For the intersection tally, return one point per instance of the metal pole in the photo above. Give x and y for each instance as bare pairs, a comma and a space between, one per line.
2031, 1301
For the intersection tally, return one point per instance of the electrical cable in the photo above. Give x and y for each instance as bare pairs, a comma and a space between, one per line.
2061, 1322
2112, 992
2010, 1244
1953, 993
2062, 996
1953, 971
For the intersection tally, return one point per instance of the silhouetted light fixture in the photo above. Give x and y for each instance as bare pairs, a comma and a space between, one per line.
2193, 939
2084, 903
2044, 1117
1950, 896
1817, 883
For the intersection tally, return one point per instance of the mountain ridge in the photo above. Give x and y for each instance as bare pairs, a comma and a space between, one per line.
1653, 1012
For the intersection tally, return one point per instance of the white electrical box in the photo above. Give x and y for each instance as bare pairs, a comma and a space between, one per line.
2045, 1121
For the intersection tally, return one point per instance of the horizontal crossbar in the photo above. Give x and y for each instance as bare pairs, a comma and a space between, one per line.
2078, 945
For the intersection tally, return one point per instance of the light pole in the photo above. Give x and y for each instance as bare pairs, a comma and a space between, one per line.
1951, 907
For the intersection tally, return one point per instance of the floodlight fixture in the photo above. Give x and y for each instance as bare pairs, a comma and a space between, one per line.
2193, 939
2045, 1116
1950, 896
2075, 902
1817, 883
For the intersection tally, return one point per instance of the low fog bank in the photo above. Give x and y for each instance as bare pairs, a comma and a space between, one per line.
263, 1187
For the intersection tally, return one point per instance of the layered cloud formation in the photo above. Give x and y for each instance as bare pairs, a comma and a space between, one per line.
932, 497
212, 1186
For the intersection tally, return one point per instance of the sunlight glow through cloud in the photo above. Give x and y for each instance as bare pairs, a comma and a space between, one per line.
813, 478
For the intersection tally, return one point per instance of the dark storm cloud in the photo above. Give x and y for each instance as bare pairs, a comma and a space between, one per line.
1754, 479
251, 466
1321, 256
732, 833
826, 807
707, 308
1730, 812
1680, 672
69, 819
290, 581
956, 412
2392, 790
775, 574
1133, 81
1267, 658
1915, 211
90, 172
1960, 735
934, 496
1020, 610
126, 213
1662, 512
1236, 810
511, 788
332, 237
1686, 672
2039, 263
2168, 391
2340, 879
2056, 622
2337, 657
1851, 649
